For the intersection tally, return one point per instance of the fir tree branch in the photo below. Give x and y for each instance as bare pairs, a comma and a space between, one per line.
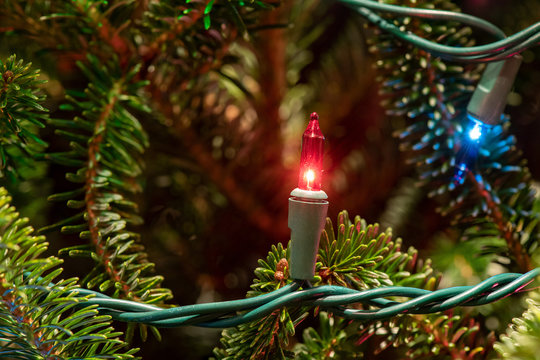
493, 210
23, 17
434, 94
504, 226
521, 339
267, 338
21, 114
334, 340
107, 143
361, 263
356, 256
440, 336
158, 20
435, 336
201, 31
222, 176
39, 317
208, 54
92, 196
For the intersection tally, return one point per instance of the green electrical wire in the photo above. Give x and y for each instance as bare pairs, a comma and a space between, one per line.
452, 51
156, 313
381, 302
532, 41
495, 51
431, 14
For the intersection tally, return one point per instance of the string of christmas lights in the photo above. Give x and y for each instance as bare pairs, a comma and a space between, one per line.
308, 205
327, 297
306, 218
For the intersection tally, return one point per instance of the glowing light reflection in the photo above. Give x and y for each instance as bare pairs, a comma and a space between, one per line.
309, 176
476, 132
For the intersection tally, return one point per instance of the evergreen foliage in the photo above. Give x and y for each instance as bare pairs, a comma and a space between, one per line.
105, 136
266, 338
21, 113
194, 71
521, 339
496, 199
39, 316
359, 256
107, 142
332, 340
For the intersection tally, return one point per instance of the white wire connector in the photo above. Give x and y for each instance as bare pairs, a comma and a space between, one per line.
490, 96
307, 216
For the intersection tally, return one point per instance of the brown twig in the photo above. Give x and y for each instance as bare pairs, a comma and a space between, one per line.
152, 51
224, 178
91, 195
494, 212
505, 227
8, 298
270, 50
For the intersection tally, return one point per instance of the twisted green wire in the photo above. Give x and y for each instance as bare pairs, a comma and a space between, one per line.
328, 297
501, 49
430, 14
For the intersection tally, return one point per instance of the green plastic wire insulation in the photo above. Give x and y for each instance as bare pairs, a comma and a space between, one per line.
431, 14
380, 303
454, 52
495, 51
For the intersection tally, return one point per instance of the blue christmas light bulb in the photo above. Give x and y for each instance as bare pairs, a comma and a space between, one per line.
476, 132
484, 111
469, 148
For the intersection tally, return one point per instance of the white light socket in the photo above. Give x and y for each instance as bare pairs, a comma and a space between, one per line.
307, 217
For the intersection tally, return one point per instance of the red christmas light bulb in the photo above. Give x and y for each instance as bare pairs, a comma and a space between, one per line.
311, 159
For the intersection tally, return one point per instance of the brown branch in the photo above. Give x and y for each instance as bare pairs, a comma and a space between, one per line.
270, 51
151, 52
505, 228
17, 311
91, 195
221, 176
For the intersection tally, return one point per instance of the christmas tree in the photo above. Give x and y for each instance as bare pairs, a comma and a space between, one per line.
150, 147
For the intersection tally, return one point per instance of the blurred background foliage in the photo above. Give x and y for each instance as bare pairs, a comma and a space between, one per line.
217, 178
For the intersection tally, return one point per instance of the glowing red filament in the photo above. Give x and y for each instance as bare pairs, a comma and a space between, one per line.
311, 160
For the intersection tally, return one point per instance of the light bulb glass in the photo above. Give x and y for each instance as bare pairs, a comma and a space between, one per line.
311, 159
469, 148
310, 176
476, 132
